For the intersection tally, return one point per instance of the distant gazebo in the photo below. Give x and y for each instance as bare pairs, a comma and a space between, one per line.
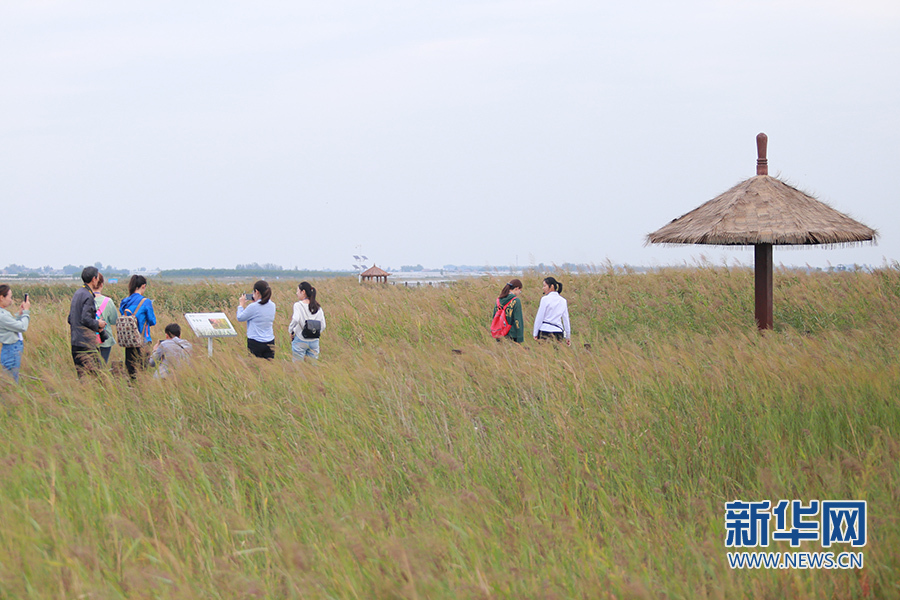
379, 275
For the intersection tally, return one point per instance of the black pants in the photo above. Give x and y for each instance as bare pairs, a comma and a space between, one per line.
551, 335
136, 360
261, 349
86, 359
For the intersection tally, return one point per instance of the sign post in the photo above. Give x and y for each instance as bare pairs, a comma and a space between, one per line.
209, 326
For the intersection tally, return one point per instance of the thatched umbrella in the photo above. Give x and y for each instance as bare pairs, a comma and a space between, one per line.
763, 211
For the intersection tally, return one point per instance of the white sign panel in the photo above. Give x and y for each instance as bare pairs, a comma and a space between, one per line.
210, 325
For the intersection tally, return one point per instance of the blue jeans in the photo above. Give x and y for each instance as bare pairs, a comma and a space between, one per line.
11, 358
301, 348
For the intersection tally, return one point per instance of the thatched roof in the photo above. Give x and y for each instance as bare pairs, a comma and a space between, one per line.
374, 271
763, 210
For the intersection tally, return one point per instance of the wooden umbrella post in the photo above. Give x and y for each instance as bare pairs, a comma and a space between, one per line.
763, 272
762, 163
763, 253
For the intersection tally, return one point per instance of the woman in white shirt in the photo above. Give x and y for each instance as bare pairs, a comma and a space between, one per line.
307, 324
552, 319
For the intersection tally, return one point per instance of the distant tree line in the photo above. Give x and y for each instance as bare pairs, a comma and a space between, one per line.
68, 270
259, 267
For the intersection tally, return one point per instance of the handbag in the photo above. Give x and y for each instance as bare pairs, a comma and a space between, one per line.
127, 332
312, 329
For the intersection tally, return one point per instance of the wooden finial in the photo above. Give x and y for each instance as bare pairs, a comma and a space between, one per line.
762, 163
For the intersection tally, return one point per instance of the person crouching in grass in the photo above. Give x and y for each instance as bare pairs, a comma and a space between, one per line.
170, 353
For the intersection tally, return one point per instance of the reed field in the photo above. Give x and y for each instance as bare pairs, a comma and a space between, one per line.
421, 459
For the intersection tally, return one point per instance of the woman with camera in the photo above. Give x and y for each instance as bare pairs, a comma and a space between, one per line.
11, 329
307, 324
258, 311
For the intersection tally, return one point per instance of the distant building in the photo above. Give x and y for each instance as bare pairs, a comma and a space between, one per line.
379, 275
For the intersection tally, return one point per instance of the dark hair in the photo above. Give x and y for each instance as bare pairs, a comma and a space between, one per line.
555, 286
264, 290
100, 281
173, 329
311, 296
135, 282
4, 290
88, 274
513, 283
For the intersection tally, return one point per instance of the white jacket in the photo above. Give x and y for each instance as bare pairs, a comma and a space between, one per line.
553, 315
301, 315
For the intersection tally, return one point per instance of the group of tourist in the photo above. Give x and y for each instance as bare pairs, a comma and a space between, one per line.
551, 320
92, 314
307, 322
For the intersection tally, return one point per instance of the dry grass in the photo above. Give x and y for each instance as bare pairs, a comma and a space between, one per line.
398, 468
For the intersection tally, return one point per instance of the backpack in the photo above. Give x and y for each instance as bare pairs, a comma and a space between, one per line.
127, 332
499, 326
312, 329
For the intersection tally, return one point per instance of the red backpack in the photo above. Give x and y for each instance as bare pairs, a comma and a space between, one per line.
499, 326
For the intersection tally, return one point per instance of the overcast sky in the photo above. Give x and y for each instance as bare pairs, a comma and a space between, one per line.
207, 134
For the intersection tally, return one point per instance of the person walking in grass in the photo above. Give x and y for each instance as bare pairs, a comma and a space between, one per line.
307, 324
84, 324
511, 304
259, 314
141, 308
106, 310
12, 326
552, 318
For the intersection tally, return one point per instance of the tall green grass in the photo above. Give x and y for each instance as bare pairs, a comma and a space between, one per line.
421, 459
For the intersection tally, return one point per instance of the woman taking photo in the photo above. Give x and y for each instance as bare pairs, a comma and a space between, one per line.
509, 302
259, 314
11, 329
307, 324
137, 305
552, 319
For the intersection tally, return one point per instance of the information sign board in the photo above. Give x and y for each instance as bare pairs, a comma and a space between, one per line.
209, 326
